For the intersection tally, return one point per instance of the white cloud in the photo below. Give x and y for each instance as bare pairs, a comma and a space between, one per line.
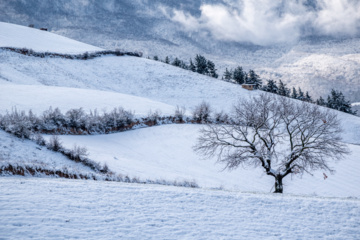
266, 22
338, 17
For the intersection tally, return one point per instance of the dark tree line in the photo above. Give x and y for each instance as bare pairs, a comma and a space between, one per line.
336, 100
200, 65
239, 76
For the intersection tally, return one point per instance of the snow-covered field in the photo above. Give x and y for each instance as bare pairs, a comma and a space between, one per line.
68, 209
57, 208
165, 152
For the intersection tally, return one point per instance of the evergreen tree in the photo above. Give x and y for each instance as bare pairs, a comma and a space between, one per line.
321, 102
254, 79
301, 95
227, 75
156, 58
333, 99
271, 86
283, 90
183, 65
211, 69
294, 94
192, 67
239, 75
308, 98
201, 64
167, 60
246, 78
336, 100
176, 62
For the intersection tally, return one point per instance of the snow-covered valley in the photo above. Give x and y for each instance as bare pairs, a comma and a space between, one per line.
228, 205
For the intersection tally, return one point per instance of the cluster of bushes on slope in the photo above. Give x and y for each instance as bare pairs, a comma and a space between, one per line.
74, 121
29, 126
78, 122
83, 56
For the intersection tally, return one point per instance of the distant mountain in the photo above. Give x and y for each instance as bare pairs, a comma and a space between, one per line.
312, 44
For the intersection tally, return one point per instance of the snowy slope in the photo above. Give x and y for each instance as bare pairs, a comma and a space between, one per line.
68, 209
17, 152
165, 152
129, 75
133, 76
12, 35
173, 28
156, 85
39, 98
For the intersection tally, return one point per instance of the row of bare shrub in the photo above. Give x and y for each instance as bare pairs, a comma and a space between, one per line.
76, 154
78, 122
27, 170
83, 56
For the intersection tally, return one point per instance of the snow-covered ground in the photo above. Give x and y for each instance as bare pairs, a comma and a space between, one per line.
24, 153
155, 81
69, 209
39, 98
56, 208
41, 41
128, 75
165, 152
141, 85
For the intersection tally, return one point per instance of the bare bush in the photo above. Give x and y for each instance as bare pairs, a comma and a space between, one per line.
105, 169
78, 153
221, 117
179, 113
201, 113
55, 144
53, 119
17, 123
76, 118
154, 116
38, 138
117, 118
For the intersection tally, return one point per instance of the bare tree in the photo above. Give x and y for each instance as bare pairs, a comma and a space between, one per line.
281, 135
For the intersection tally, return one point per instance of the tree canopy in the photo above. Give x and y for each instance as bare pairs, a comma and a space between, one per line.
280, 135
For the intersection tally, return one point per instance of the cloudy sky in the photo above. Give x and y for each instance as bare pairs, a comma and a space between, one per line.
266, 22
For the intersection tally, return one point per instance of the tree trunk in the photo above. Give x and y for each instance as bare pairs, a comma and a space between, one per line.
278, 184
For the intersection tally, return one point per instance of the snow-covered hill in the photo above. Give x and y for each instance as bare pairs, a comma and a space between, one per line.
17, 36
327, 57
30, 156
39, 98
141, 85
58, 208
